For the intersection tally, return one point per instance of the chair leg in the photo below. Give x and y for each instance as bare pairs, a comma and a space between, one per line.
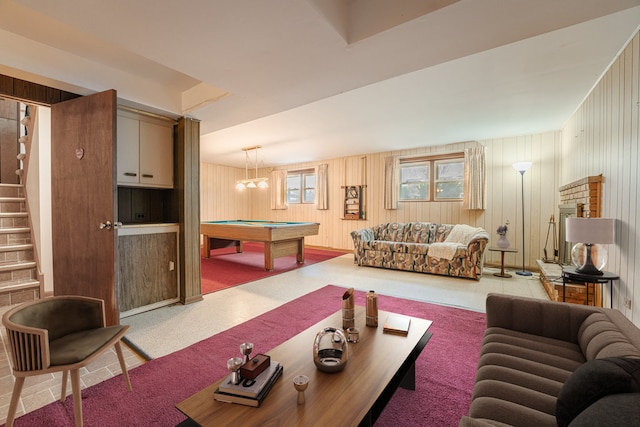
15, 397
123, 365
77, 396
63, 392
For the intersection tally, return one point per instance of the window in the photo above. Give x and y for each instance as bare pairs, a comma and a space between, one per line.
414, 181
449, 179
301, 187
437, 178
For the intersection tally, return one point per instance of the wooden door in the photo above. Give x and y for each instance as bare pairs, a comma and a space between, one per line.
83, 193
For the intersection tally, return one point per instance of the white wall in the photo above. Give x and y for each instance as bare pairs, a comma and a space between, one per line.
39, 193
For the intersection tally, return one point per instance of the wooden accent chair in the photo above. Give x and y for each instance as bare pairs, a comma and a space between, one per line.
61, 333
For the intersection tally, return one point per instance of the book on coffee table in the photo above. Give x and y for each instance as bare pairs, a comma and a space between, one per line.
397, 325
249, 387
256, 401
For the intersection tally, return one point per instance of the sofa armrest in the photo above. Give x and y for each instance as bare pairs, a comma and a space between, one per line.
480, 235
538, 317
364, 234
360, 236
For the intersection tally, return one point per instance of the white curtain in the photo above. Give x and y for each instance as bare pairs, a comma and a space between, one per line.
391, 167
474, 178
279, 189
322, 187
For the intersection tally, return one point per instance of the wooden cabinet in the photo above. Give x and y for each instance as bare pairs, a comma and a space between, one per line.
148, 267
145, 151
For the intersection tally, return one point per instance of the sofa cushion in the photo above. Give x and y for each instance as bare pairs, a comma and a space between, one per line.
592, 381
391, 231
599, 337
418, 232
417, 248
385, 246
509, 413
440, 233
546, 345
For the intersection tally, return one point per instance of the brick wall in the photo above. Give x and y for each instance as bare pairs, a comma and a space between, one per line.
586, 192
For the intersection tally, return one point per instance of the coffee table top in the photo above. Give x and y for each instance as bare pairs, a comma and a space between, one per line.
344, 398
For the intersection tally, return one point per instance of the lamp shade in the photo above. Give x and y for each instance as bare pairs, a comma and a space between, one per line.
522, 166
590, 230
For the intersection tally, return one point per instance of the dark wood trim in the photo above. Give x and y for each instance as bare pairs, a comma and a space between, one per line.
32, 92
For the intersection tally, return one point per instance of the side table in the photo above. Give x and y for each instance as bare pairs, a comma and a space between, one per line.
570, 275
502, 252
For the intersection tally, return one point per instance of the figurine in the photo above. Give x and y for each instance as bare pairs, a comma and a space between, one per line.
300, 383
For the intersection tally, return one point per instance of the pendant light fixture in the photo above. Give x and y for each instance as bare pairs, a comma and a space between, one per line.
255, 182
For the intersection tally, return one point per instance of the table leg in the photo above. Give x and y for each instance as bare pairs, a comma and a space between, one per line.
502, 273
207, 246
586, 285
611, 293
409, 380
268, 255
300, 254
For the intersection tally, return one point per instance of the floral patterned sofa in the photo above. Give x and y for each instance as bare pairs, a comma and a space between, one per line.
446, 249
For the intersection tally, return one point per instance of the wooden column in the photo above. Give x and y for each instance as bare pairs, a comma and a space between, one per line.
187, 192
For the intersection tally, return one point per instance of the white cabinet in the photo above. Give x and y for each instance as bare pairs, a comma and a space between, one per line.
145, 151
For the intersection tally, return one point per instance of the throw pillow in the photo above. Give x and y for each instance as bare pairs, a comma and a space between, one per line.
592, 381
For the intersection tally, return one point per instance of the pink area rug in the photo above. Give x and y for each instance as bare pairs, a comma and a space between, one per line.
444, 371
226, 268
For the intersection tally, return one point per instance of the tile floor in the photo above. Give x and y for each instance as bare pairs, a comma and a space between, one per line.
224, 309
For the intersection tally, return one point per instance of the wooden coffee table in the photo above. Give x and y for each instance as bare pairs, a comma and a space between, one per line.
377, 366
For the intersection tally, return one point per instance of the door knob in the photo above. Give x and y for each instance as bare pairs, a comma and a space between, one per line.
106, 225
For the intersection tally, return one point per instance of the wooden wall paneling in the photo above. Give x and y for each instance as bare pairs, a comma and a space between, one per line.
9, 134
603, 137
28, 91
634, 250
503, 193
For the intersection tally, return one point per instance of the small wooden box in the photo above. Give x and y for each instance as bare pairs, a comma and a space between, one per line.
255, 366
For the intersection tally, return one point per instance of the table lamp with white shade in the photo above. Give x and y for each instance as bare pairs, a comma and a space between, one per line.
588, 234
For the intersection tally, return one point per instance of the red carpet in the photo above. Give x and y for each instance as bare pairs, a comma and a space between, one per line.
226, 268
444, 371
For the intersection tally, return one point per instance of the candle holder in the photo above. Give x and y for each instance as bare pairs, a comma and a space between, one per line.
233, 365
301, 382
246, 349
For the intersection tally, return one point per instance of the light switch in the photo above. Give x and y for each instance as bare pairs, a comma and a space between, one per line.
172, 266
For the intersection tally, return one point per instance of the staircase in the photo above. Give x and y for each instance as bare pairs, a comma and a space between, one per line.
18, 270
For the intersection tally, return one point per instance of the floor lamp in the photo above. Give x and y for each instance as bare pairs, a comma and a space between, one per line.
522, 167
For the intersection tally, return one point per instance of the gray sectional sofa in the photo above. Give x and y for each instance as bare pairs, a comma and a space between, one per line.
546, 363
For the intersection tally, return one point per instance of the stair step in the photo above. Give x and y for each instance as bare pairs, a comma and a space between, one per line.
18, 284
13, 214
12, 199
11, 248
13, 266
10, 190
14, 230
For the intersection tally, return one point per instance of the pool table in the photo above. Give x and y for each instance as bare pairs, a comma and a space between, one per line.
280, 238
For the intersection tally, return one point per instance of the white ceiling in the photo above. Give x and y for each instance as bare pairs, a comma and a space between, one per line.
319, 79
